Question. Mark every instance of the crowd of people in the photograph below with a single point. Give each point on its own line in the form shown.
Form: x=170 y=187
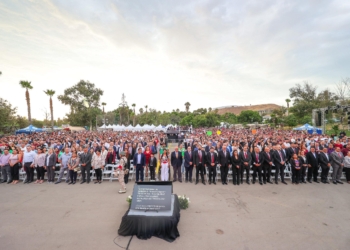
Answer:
x=223 y=154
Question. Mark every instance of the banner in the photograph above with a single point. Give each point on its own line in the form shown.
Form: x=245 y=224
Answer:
x=209 y=132
x=218 y=132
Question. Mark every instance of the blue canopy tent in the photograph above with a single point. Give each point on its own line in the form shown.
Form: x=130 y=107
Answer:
x=309 y=129
x=28 y=130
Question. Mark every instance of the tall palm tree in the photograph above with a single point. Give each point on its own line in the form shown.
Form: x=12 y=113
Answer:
x=146 y=108
x=210 y=109
x=288 y=101
x=103 y=107
x=50 y=93
x=187 y=105
x=133 y=122
x=27 y=85
x=141 y=111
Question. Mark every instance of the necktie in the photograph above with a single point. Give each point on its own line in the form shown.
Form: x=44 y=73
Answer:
x=339 y=155
x=257 y=158
x=280 y=155
x=212 y=158
x=200 y=156
x=245 y=155
x=268 y=155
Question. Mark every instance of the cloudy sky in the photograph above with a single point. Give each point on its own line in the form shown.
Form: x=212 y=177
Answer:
x=165 y=53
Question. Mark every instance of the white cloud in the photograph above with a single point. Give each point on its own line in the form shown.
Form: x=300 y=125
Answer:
x=162 y=54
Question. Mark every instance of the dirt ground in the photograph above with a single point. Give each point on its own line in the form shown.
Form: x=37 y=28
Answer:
x=308 y=216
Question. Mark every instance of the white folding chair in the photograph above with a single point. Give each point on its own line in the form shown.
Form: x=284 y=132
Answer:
x=131 y=172
x=22 y=175
x=218 y=173
x=113 y=176
x=107 y=172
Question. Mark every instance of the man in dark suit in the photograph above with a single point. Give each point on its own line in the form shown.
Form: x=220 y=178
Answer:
x=312 y=159
x=325 y=163
x=293 y=149
x=224 y=159
x=257 y=159
x=212 y=161
x=246 y=160
x=266 y=165
x=199 y=161
x=188 y=164
x=139 y=162
x=176 y=162
x=279 y=160
x=152 y=166
x=85 y=165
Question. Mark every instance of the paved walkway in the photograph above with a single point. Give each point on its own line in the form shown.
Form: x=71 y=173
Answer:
x=308 y=216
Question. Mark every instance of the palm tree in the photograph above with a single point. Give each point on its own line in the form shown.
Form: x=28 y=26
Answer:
x=141 y=111
x=133 y=122
x=209 y=109
x=187 y=104
x=288 y=101
x=146 y=108
x=50 y=93
x=103 y=107
x=27 y=85
x=177 y=110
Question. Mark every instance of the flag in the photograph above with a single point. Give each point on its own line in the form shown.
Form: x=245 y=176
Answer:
x=218 y=132
x=209 y=132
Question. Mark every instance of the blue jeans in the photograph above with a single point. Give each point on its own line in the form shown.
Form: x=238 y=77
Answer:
x=139 y=170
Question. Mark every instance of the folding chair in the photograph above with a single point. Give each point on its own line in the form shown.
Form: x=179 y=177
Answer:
x=229 y=174
x=218 y=173
x=131 y=172
x=107 y=172
x=113 y=176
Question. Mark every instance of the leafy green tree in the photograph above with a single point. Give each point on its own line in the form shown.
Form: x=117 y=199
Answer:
x=84 y=99
x=7 y=116
x=27 y=85
x=249 y=116
x=291 y=120
x=229 y=118
x=187 y=105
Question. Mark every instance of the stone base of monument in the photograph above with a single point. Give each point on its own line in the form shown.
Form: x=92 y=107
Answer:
x=154 y=211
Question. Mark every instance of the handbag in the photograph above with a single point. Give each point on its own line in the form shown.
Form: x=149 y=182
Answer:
x=76 y=169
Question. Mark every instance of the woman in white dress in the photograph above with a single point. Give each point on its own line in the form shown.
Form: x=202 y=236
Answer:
x=164 y=161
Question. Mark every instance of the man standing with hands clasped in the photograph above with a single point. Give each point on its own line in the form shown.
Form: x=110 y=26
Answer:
x=199 y=160
x=85 y=160
x=176 y=162
x=224 y=160
x=337 y=164
x=140 y=163
x=212 y=160
x=188 y=164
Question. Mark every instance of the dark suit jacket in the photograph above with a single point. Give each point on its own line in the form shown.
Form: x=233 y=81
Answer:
x=266 y=159
x=209 y=159
x=176 y=162
x=154 y=162
x=277 y=158
x=188 y=159
x=85 y=159
x=142 y=162
x=322 y=159
x=311 y=159
x=243 y=159
x=222 y=160
x=254 y=158
x=196 y=157
x=52 y=160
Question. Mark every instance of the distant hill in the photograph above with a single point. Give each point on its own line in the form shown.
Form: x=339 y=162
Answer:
x=261 y=108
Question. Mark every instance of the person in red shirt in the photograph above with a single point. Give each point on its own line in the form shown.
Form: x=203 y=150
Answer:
x=147 y=154
x=338 y=144
x=346 y=150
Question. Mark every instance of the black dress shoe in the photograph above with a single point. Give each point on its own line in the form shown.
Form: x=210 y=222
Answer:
x=9 y=182
x=248 y=182
x=95 y=182
x=276 y=182
x=317 y=181
x=70 y=183
x=234 y=184
x=270 y=182
x=304 y=182
x=203 y=182
x=26 y=182
x=186 y=181
x=73 y=182
x=309 y=181
x=339 y=182
x=284 y=182
x=196 y=182
x=174 y=180
x=3 y=181
x=334 y=182
x=264 y=182
x=238 y=183
x=57 y=182
x=88 y=182
x=209 y=183
x=82 y=182
x=214 y=183
x=180 y=181
x=253 y=182
x=260 y=183
x=327 y=182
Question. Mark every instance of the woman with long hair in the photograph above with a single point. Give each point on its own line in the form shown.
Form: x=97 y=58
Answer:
x=98 y=164
x=296 y=167
x=147 y=154
x=303 y=165
x=236 y=165
x=73 y=164
x=39 y=162
x=14 y=164
x=164 y=160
